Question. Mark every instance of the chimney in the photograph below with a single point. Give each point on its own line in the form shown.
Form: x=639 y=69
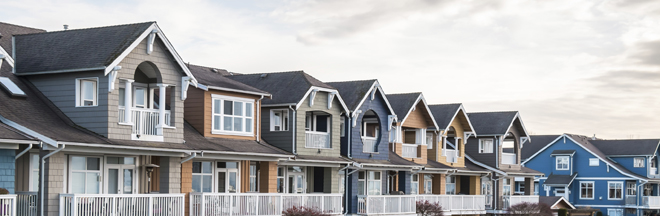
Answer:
x=594 y=137
x=66 y=27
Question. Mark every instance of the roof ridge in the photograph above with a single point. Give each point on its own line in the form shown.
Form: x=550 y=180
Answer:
x=278 y=72
x=446 y=104
x=22 y=26
x=80 y=29
x=349 y=81
x=493 y=112
x=405 y=93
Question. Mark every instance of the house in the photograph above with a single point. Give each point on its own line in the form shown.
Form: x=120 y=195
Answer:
x=497 y=147
x=366 y=141
x=555 y=203
x=618 y=177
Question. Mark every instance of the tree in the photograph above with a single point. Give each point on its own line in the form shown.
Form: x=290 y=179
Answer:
x=527 y=208
x=426 y=208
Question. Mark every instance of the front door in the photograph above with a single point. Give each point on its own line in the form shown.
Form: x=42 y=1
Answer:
x=121 y=175
x=487 y=189
x=227 y=177
x=296 y=182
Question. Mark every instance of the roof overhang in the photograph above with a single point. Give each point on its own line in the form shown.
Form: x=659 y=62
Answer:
x=421 y=98
x=561 y=198
x=375 y=86
x=461 y=108
x=25 y=130
x=312 y=162
x=316 y=88
x=517 y=116
x=6 y=57
x=235 y=90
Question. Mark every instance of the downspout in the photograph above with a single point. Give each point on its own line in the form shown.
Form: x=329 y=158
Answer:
x=640 y=192
x=259 y=118
x=190 y=157
x=23 y=152
x=293 y=134
x=41 y=169
x=350 y=141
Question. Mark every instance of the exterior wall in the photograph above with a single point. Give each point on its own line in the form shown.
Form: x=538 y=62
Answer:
x=379 y=107
x=475 y=185
x=629 y=163
x=404 y=182
x=170 y=74
x=458 y=127
x=268 y=176
x=280 y=139
x=186 y=182
x=170 y=176
x=418 y=118
x=54 y=185
x=489 y=159
x=61 y=90
x=7 y=169
x=320 y=104
x=22 y=177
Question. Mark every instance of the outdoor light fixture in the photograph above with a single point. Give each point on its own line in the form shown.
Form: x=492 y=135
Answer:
x=149 y=168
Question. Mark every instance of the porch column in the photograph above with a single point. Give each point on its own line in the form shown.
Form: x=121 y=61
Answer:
x=475 y=185
x=268 y=176
x=161 y=108
x=128 y=101
x=529 y=186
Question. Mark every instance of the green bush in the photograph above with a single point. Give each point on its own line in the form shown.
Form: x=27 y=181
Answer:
x=3 y=191
x=599 y=213
x=562 y=212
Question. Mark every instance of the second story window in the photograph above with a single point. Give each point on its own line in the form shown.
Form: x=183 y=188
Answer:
x=594 y=162
x=86 y=92
x=631 y=189
x=615 y=190
x=562 y=163
x=232 y=115
x=486 y=146
x=639 y=162
x=429 y=140
x=279 y=120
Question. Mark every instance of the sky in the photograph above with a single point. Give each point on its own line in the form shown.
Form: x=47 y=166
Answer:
x=569 y=66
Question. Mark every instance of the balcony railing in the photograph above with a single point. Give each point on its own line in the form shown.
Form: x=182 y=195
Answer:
x=369 y=144
x=457 y=203
x=651 y=201
x=122 y=204
x=451 y=155
x=386 y=204
x=26 y=203
x=508 y=158
x=8 y=205
x=653 y=173
x=631 y=200
x=409 y=150
x=144 y=120
x=316 y=139
x=509 y=201
x=202 y=204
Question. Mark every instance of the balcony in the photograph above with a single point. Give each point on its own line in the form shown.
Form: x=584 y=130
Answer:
x=653 y=173
x=260 y=203
x=631 y=200
x=145 y=121
x=652 y=202
x=463 y=204
x=316 y=139
x=452 y=156
x=8 y=205
x=409 y=150
x=122 y=204
x=509 y=201
x=369 y=144
x=26 y=203
x=508 y=158
x=386 y=205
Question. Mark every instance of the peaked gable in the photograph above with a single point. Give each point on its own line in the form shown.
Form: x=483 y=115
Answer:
x=404 y=104
x=356 y=92
x=287 y=88
x=7 y=32
x=446 y=113
x=215 y=79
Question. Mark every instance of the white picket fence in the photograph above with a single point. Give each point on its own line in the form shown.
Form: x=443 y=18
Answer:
x=122 y=204
x=260 y=204
x=387 y=204
x=26 y=203
x=8 y=205
x=456 y=202
x=409 y=150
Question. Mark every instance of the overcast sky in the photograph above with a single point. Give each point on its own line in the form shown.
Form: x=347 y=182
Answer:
x=569 y=66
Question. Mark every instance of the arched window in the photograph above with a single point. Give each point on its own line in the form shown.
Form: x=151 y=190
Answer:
x=370 y=131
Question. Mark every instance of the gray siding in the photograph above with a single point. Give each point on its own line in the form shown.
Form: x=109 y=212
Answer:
x=280 y=139
x=320 y=104
x=472 y=148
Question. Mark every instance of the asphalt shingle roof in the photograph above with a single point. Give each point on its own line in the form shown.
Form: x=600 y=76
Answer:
x=7 y=132
x=627 y=147
x=74 y=49
x=560 y=179
x=444 y=113
x=207 y=76
x=353 y=91
x=8 y=30
x=492 y=123
x=401 y=103
x=562 y=152
x=394 y=160
x=285 y=87
x=537 y=142
x=585 y=142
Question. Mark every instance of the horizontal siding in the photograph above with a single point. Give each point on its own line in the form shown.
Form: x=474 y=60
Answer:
x=320 y=104
x=280 y=139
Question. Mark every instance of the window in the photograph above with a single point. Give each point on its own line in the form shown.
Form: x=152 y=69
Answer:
x=486 y=146
x=414 y=184
x=562 y=163
x=648 y=190
x=34 y=166
x=202 y=177
x=506 y=187
x=85 y=175
x=232 y=115
x=86 y=92
x=587 y=190
x=521 y=187
x=615 y=212
x=374 y=185
x=342 y=128
x=253 y=177
x=450 y=185
x=639 y=162
x=536 y=188
x=428 y=184
x=615 y=190
x=279 y=120
x=10 y=86
x=594 y=162
x=429 y=141
x=122 y=96
x=361 y=182
x=631 y=189
x=280 y=179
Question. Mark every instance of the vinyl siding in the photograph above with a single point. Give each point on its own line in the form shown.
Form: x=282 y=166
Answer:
x=379 y=107
x=280 y=139
x=320 y=104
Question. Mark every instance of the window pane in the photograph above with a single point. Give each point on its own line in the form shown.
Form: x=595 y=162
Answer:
x=253 y=184
x=216 y=122
x=129 y=160
x=238 y=124
x=207 y=182
x=216 y=106
x=77 y=163
x=248 y=125
x=280 y=185
x=113 y=181
x=88 y=90
x=238 y=108
x=206 y=167
x=248 y=109
x=128 y=181
x=232 y=165
x=228 y=109
x=93 y=164
x=197 y=167
x=139 y=97
x=228 y=123
x=232 y=182
x=197 y=183
x=280 y=172
x=361 y=187
x=78 y=182
x=122 y=97
x=34 y=160
x=92 y=183
x=112 y=160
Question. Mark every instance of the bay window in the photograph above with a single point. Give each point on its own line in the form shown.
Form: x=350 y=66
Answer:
x=232 y=115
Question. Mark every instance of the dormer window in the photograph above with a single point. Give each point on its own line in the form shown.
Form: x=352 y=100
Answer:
x=86 y=92
x=232 y=115
x=486 y=146
x=562 y=162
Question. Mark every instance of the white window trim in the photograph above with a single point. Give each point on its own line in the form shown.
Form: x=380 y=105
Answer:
x=414 y=190
x=634 y=188
x=256 y=177
x=31 y=176
x=635 y=164
x=593 y=190
x=615 y=210
x=212 y=174
x=427 y=183
x=79 y=93
x=622 y=190
x=594 y=160
x=272 y=116
x=482 y=150
x=101 y=172
x=557 y=159
x=453 y=184
x=379 y=182
x=222 y=98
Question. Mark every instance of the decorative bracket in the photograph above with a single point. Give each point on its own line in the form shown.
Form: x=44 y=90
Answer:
x=111 y=79
x=355 y=117
x=373 y=92
x=522 y=141
x=331 y=96
x=150 y=41
x=390 y=120
x=312 y=95
x=185 y=82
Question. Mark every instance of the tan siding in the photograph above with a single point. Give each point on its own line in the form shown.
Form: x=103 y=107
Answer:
x=195 y=108
x=417 y=118
x=458 y=127
x=186 y=182
x=268 y=177
x=208 y=113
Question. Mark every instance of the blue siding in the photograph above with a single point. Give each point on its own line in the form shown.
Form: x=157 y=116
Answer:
x=379 y=107
x=629 y=163
x=7 y=169
x=404 y=181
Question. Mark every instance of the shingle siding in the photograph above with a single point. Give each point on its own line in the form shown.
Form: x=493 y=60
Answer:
x=7 y=169
x=379 y=107
x=320 y=104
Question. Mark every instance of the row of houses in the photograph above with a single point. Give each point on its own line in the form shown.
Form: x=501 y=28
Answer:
x=112 y=121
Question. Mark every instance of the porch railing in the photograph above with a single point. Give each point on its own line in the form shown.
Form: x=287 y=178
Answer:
x=386 y=204
x=509 y=201
x=631 y=200
x=122 y=204
x=8 y=205
x=26 y=203
x=144 y=120
x=369 y=144
x=316 y=139
x=653 y=173
x=409 y=150
x=508 y=158
x=451 y=155
x=207 y=204
x=457 y=202
x=651 y=201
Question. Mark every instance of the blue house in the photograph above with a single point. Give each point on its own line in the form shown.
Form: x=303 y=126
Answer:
x=365 y=139
x=619 y=177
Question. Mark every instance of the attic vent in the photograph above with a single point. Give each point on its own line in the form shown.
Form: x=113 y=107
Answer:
x=11 y=87
x=215 y=70
x=231 y=73
x=264 y=75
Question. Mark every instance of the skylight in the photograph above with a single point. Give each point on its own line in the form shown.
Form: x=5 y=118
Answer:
x=11 y=87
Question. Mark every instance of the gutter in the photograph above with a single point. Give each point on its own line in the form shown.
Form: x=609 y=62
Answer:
x=23 y=152
x=293 y=134
x=63 y=71
x=184 y=151
x=238 y=91
x=190 y=157
x=27 y=131
x=350 y=131
x=41 y=170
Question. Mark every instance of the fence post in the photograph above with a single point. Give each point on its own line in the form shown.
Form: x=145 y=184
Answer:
x=202 y=204
x=151 y=206
x=231 y=204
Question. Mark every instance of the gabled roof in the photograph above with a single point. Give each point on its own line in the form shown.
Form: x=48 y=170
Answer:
x=356 y=92
x=9 y=30
x=446 y=113
x=631 y=147
x=560 y=180
x=214 y=78
x=496 y=123
x=540 y=141
x=394 y=162
x=9 y=133
x=554 y=200
x=197 y=141
x=404 y=103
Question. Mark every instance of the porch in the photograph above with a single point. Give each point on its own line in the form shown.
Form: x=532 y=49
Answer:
x=509 y=201
x=8 y=205
x=261 y=203
x=651 y=202
x=387 y=204
x=122 y=204
x=458 y=204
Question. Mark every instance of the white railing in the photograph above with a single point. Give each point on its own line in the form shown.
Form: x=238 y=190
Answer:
x=509 y=201
x=144 y=120
x=8 y=205
x=122 y=204
x=315 y=139
x=651 y=201
x=508 y=158
x=409 y=150
x=386 y=204
x=207 y=204
x=457 y=202
x=369 y=144
x=451 y=155
x=653 y=173
x=26 y=203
